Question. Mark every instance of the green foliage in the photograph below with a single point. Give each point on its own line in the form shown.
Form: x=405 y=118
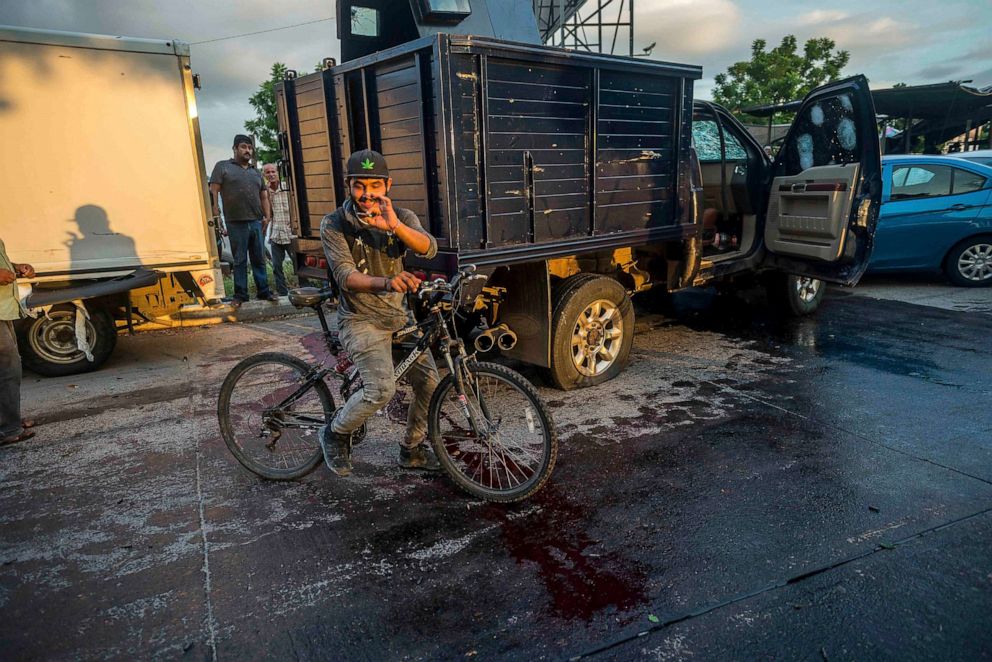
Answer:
x=779 y=75
x=264 y=125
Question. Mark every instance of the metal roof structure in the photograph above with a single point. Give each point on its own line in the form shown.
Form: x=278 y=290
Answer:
x=938 y=112
x=596 y=26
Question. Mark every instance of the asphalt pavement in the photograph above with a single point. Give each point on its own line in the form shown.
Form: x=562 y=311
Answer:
x=749 y=487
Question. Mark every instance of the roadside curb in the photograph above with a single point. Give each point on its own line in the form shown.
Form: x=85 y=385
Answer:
x=250 y=311
x=255 y=310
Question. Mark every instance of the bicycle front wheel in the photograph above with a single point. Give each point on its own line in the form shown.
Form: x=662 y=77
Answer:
x=507 y=451
x=270 y=411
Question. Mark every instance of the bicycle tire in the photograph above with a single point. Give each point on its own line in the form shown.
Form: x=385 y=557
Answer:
x=453 y=456
x=308 y=455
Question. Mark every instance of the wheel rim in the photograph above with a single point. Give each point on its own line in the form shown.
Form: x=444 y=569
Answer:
x=596 y=338
x=53 y=338
x=511 y=453
x=975 y=263
x=807 y=288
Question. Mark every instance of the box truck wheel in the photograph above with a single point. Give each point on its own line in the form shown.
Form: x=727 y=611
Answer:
x=48 y=343
x=795 y=295
x=592 y=329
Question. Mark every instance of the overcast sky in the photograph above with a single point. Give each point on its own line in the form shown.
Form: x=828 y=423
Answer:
x=911 y=41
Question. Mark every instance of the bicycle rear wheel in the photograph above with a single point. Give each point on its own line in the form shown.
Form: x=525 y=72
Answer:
x=270 y=410
x=511 y=452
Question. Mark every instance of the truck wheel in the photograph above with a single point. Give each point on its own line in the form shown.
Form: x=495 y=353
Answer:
x=592 y=330
x=48 y=344
x=795 y=295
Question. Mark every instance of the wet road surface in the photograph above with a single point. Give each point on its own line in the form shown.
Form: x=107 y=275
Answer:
x=750 y=487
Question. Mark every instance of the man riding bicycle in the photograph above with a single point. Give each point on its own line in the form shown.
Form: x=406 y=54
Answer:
x=364 y=242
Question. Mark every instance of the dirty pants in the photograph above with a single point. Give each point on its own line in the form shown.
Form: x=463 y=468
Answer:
x=10 y=382
x=370 y=348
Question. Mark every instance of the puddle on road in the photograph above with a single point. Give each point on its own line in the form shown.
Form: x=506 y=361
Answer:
x=581 y=578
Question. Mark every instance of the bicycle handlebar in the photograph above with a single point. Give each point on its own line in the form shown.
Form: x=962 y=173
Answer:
x=442 y=286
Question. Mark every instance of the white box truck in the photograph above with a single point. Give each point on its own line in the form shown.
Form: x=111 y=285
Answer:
x=106 y=194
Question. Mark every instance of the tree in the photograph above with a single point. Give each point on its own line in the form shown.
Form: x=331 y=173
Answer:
x=265 y=126
x=779 y=75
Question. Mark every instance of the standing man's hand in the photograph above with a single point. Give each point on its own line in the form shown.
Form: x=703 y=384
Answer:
x=7 y=276
x=24 y=270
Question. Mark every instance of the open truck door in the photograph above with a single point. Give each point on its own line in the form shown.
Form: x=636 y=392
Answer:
x=826 y=186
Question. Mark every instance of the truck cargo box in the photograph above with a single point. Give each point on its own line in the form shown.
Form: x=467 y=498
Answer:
x=508 y=152
x=105 y=134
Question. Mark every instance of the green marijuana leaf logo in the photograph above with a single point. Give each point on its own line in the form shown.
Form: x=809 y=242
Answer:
x=368 y=164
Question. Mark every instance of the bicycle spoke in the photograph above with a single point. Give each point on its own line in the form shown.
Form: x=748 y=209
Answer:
x=274 y=412
x=508 y=451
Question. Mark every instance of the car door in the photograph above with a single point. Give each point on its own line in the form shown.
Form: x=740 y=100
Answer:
x=826 y=186
x=927 y=207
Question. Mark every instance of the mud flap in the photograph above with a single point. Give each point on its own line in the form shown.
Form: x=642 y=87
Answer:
x=526 y=309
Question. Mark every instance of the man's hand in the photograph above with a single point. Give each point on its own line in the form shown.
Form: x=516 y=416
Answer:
x=386 y=218
x=24 y=270
x=7 y=276
x=404 y=282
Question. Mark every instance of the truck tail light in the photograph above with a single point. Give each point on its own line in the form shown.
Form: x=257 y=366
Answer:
x=315 y=262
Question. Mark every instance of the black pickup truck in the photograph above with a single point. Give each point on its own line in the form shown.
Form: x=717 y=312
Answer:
x=572 y=181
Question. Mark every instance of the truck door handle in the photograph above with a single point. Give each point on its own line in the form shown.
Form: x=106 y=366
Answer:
x=960 y=207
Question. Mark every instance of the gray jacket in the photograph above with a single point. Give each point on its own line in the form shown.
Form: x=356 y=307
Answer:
x=351 y=245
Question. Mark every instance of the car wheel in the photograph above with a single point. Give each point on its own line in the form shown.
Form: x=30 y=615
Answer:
x=796 y=296
x=592 y=331
x=48 y=342
x=969 y=264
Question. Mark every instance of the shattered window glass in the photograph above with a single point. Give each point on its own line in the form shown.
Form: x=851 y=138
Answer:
x=364 y=21
x=706 y=138
x=826 y=133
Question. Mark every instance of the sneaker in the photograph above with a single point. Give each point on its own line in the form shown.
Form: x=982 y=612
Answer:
x=271 y=297
x=236 y=303
x=337 y=450
x=418 y=458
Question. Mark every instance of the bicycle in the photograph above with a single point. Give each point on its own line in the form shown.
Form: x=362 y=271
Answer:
x=492 y=434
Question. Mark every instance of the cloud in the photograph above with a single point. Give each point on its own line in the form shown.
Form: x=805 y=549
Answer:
x=938 y=72
x=231 y=70
x=819 y=16
x=689 y=27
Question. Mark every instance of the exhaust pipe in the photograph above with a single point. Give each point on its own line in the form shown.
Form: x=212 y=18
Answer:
x=506 y=340
x=500 y=336
x=484 y=341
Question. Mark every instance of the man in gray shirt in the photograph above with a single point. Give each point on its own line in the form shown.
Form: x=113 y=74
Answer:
x=247 y=213
x=364 y=242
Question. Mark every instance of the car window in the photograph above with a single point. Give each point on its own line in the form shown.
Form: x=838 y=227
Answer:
x=920 y=181
x=966 y=181
x=825 y=133
x=706 y=137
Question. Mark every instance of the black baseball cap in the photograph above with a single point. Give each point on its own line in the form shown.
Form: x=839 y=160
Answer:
x=242 y=138
x=367 y=164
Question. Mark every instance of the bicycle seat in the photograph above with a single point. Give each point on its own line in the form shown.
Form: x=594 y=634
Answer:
x=309 y=297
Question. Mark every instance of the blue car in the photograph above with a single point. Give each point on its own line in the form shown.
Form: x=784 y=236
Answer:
x=936 y=216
